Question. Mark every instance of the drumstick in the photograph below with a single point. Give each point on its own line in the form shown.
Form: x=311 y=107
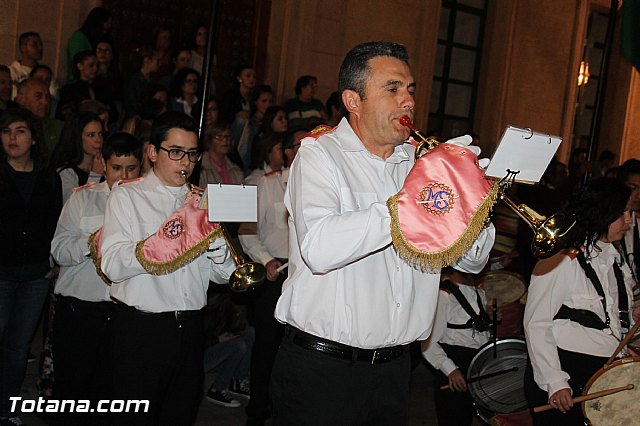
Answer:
x=623 y=343
x=587 y=397
x=495 y=327
x=282 y=267
x=484 y=376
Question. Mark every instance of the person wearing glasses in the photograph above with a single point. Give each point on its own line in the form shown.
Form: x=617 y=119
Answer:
x=160 y=267
x=184 y=91
x=216 y=165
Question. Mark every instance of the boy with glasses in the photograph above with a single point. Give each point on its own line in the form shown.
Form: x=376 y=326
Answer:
x=160 y=252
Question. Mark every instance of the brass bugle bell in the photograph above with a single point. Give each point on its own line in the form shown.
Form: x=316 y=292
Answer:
x=247 y=275
x=550 y=234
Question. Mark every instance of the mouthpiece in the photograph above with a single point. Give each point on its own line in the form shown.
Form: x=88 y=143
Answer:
x=406 y=121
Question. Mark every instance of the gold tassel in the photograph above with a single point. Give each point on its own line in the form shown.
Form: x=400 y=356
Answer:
x=164 y=268
x=437 y=260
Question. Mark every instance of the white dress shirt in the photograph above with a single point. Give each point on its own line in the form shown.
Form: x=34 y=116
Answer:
x=272 y=240
x=346 y=282
x=561 y=280
x=450 y=311
x=136 y=210
x=70 y=182
x=81 y=216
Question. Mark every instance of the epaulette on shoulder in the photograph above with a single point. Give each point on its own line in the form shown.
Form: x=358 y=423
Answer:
x=85 y=186
x=125 y=181
x=319 y=131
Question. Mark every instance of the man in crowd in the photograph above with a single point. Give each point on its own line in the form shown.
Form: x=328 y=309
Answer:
x=351 y=305
x=34 y=96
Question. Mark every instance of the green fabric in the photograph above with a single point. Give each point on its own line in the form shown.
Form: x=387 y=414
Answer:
x=77 y=43
x=631 y=32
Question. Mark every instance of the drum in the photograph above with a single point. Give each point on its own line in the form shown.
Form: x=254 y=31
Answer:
x=507 y=288
x=619 y=408
x=501 y=391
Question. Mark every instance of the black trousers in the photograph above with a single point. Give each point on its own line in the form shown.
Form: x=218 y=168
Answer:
x=311 y=388
x=454 y=408
x=269 y=334
x=83 y=337
x=580 y=368
x=158 y=357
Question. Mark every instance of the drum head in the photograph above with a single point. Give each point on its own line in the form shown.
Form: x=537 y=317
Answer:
x=619 y=408
x=504 y=286
x=501 y=393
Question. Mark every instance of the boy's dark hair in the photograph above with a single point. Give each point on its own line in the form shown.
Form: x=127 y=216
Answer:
x=122 y=144
x=303 y=82
x=167 y=121
x=39 y=67
x=629 y=168
x=22 y=40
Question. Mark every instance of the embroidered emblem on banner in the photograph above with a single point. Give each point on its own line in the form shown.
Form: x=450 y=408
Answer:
x=436 y=198
x=173 y=229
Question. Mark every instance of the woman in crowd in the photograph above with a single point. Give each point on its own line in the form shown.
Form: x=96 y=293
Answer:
x=237 y=101
x=211 y=113
x=96 y=26
x=108 y=79
x=31 y=200
x=216 y=166
x=199 y=47
x=145 y=61
x=184 y=91
x=162 y=51
x=578 y=303
x=268 y=156
x=77 y=157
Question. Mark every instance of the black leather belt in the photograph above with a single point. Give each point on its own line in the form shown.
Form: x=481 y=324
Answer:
x=178 y=315
x=339 y=350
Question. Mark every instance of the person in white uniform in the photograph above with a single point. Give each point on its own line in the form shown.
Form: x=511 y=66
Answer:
x=460 y=328
x=351 y=305
x=82 y=330
x=578 y=304
x=158 y=322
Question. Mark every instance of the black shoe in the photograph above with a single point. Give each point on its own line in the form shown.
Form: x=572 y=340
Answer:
x=222 y=398
x=240 y=388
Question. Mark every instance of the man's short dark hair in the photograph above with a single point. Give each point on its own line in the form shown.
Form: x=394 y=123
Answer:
x=628 y=168
x=355 y=69
x=122 y=144
x=24 y=37
x=39 y=67
x=167 y=121
x=303 y=82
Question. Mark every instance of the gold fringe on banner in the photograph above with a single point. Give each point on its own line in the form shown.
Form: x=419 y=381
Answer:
x=97 y=261
x=439 y=259
x=164 y=268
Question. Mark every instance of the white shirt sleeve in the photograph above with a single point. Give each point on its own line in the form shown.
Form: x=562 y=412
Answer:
x=70 y=243
x=119 y=261
x=251 y=243
x=546 y=295
x=434 y=354
x=321 y=218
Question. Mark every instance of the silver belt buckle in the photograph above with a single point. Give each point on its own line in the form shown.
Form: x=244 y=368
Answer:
x=375 y=356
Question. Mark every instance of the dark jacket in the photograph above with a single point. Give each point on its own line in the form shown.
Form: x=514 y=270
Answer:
x=27 y=227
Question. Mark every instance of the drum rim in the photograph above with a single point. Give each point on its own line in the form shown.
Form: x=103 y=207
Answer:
x=600 y=372
x=481 y=350
x=481 y=281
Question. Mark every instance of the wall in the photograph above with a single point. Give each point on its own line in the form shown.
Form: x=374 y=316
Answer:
x=55 y=20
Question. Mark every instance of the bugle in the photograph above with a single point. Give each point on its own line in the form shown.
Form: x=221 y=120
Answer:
x=247 y=275
x=550 y=234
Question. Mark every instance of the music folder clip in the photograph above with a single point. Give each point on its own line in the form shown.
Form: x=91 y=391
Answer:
x=231 y=203
x=522 y=155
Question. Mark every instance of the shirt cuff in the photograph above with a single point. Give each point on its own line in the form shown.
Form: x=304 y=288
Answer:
x=447 y=367
x=555 y=387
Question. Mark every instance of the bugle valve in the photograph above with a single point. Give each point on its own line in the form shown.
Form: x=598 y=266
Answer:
x=550 y=234
x=247 y=275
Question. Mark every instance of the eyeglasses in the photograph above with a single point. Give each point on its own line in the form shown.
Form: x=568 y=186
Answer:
x=191 y=81
x=101 y=50
x=223 y=137
x=176 y=154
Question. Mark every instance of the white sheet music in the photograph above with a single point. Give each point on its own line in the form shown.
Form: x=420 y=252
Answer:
x=232 y=203
x=523 y=151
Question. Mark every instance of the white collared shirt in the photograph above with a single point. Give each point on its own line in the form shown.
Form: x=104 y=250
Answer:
x=82 y=215
x=346 y=282
x=566 y=283
x=272 y=240
x=136 y=210
x=450 y=311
